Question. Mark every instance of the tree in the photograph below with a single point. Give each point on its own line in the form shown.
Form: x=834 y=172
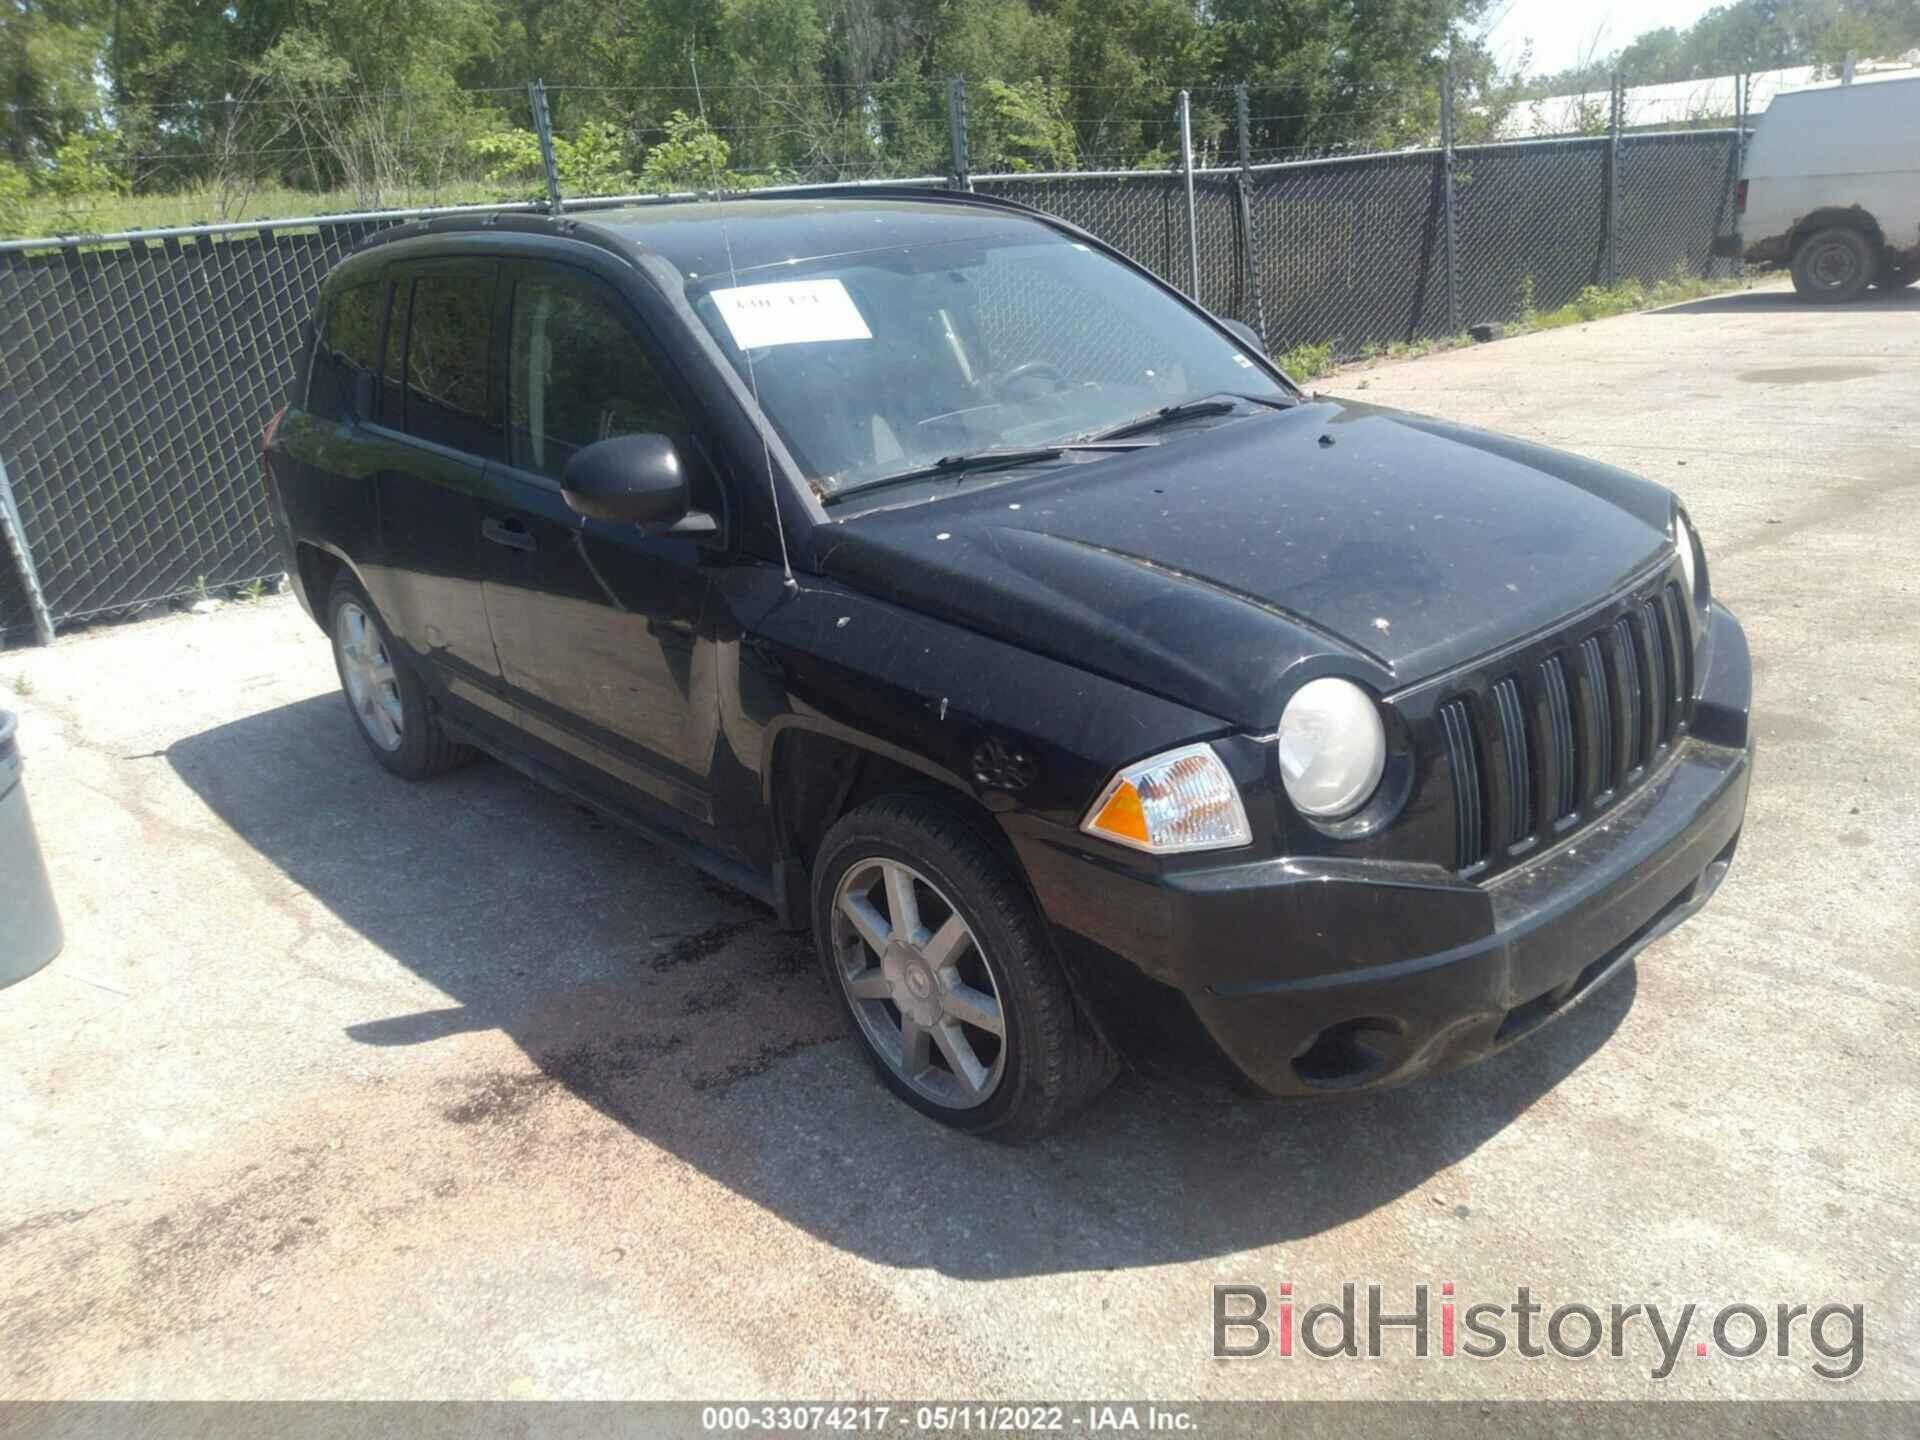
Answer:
x=1751 y=35
x=48 y=49
x=375 y=102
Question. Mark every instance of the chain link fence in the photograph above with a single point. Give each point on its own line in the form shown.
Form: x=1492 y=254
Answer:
x=136 y=373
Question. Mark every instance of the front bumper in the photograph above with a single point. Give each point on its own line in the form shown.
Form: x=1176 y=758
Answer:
x=1320 y=975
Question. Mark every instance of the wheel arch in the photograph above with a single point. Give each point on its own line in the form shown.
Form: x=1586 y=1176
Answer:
x=1836 y=217
x=816 y=770
x=316 y=568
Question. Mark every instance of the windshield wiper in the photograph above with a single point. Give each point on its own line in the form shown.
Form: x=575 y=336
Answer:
x=1222 y=404
x=994 y=457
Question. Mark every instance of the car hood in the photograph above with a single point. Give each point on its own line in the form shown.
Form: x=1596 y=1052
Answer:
x=1210 y=567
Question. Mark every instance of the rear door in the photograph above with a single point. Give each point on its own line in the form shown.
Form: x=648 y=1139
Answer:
x=438 y=412
x=324 y=460
x=598 y=625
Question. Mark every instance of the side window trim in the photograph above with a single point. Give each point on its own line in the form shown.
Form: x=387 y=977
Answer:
x=313 y=353
x=388 y=385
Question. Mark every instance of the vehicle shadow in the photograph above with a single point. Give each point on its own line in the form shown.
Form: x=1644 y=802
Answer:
x=673 y=1006
x=1767 y=302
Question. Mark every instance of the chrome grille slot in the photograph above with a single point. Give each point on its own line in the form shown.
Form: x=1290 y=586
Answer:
x=1655 y=669
x=1463 y=754
x=1513 y=746
x=1628 y=755
x=1679 y=657
x=1559 y=746
x=1596 y=714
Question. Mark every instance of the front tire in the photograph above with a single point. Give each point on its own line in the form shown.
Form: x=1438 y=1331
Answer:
x=930 y=940
x=385 y=697
x=1833 y=266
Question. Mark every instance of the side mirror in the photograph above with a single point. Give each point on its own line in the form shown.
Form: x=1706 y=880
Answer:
x=635 y=478
x=1246 y=335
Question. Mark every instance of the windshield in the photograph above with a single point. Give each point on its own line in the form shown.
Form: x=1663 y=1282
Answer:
x=882 y=363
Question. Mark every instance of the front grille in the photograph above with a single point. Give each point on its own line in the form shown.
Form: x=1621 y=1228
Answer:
x=1546 y=740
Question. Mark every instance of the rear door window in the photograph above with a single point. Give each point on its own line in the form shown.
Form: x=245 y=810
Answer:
x=578 y=373
x=449 y=399
x=347 y=358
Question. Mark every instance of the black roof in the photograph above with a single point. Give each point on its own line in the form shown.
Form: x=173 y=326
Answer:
x=769 y=229
x=694 y=235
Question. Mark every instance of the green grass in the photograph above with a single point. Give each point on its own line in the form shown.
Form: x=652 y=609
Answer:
x=1305 y=362
x=108 y=214
x=1599 y=302
x=1596 y=302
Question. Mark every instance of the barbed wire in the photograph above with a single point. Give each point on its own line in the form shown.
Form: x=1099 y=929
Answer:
x=248 y=156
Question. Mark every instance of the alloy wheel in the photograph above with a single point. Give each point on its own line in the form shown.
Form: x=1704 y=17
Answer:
x=367 y=671
x=918 y=983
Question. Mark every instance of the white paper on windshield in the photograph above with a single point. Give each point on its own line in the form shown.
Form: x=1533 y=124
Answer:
x=792 y=313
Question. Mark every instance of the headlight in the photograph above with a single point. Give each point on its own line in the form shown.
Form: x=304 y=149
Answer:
x=1332 y=747
x=1182 y=800
x=1683 y=539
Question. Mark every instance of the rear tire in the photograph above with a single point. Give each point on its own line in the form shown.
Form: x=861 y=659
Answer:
x=965 y=1012
x=1833 y=266
x=384 y=696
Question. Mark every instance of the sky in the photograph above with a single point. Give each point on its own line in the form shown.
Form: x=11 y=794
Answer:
x=1567 y=32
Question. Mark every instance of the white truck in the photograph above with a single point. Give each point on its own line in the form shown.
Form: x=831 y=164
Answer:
x=1831 y=188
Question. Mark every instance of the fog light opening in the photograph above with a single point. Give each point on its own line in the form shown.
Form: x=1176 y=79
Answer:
x=1349 y=1053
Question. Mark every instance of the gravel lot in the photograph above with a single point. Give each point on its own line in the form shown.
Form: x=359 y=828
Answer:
x=347 y=1087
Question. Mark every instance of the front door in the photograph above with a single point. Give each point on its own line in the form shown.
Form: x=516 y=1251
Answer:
x=597 y=625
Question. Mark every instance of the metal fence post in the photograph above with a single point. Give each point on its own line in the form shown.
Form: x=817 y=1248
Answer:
x=1450 y=277
x=1193 y=219
x=543 y=128
x=1617 y=104
x=15 y=536
x=1252 y=308
x=960 y=178
x=1744 y=97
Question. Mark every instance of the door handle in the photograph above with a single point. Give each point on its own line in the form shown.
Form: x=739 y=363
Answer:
x=510 y=533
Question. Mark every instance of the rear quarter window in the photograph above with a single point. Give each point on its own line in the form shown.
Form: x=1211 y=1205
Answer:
x=347 y=349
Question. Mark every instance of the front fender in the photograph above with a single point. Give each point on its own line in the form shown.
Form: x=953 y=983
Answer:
x=1018 y=732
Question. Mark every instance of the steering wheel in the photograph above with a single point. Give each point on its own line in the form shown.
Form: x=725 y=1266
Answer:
x=1030 y=370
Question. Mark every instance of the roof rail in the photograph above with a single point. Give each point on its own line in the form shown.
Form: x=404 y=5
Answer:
x=514 y=222
x=869 y=190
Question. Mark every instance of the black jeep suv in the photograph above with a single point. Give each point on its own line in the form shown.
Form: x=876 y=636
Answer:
x=929 y=570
